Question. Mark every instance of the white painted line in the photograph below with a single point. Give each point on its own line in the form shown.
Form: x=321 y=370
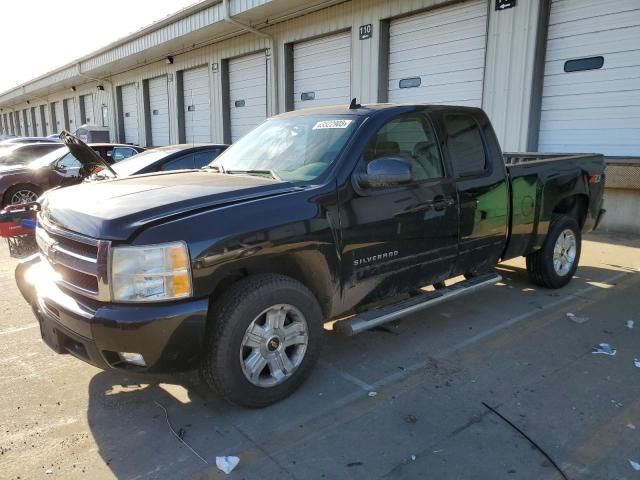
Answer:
x=487 y=333
x=347 y=376
x=19 y=329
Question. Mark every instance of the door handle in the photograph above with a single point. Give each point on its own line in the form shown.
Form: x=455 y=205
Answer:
x=440 y=203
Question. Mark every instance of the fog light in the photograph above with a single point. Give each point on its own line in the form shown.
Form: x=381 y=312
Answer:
x=133 y=358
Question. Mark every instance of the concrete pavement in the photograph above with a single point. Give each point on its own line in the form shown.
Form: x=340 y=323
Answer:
x=511 y=346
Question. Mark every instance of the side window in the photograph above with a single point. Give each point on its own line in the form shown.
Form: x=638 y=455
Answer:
x=181 y=163
x=205 y=158
x=465 y=145
x=120 y=153
x=411 y=137
x=68 y=161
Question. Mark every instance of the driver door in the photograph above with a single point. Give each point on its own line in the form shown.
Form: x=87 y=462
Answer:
x=400 y=237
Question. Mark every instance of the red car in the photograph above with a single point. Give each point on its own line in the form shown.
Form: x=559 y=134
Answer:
x=24 y=183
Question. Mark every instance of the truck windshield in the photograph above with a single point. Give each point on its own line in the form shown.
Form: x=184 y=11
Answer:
x=297 y=149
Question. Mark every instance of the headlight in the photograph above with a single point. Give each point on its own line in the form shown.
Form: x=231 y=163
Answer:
x=151 y=273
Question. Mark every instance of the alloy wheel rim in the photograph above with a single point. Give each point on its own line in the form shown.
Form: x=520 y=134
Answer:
x=564 y=252
x=23 y=196
x=274 y=345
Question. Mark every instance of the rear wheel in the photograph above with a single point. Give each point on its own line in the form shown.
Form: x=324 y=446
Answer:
x=556 y=262
x=21 y=194
x=263 y=340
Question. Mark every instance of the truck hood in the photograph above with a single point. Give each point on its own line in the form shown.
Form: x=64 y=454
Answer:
x=116 y=209
x=89 y=159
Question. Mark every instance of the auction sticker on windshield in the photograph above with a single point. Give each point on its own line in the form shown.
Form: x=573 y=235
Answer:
x=332 y=124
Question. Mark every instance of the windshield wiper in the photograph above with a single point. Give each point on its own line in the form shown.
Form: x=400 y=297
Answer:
x=217 y=168
x=271 y=173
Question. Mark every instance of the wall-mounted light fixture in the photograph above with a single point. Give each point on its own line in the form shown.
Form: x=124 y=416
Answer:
x=28 y=102
x=73 y=89
x=169 y=60
x=100 y=87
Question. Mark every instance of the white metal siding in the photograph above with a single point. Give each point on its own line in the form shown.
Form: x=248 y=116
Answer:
x=247 y=93
x=322 y=69
x=592 y=110
x=159 y=111
x=445 y=48
x=197 y=105
x=87 y=101
x=130 y=113
x=34 y=115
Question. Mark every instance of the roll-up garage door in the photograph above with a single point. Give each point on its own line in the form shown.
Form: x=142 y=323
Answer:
x=129 y=113
x=159 y=111
x=438 y=56
x=247 y=93
x=322 y=71
x=45 y=120
x=57 y=110
x=197 y=105
x=26 y=127
x=87 y=109
x=35 y=121
x=70 y=111
x=591 y=90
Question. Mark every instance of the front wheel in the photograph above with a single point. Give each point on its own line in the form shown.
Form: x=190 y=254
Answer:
x=556 y=262
x=263 y=340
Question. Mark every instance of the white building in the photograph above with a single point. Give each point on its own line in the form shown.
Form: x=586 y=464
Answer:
x=553 y=75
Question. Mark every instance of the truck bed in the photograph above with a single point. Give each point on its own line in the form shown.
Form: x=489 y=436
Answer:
x=537 y=181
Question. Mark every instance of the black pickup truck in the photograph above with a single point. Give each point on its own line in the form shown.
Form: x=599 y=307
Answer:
x=340 y=213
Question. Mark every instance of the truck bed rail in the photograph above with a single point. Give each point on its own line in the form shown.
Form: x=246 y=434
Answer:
x=514 y=158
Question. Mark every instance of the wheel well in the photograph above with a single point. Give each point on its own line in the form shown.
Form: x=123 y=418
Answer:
x=574 y=206
x=303 y=267
x=17 y=186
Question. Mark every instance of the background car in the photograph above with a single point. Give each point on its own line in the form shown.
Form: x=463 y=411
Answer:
x=30 y=140
x=21 y=153
x=171 y=157
x=22 y=183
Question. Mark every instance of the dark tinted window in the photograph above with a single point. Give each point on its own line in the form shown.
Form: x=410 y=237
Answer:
x=465 y=145
x=120 y=153
x=68 y=161
x=409 y=136
x=179 y=163
x=205 y=157
x=580 y=64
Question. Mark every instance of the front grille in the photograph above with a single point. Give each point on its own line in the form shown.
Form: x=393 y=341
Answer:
x=80 y=262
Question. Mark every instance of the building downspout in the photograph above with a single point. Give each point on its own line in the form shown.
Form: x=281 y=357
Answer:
x=226 y=4
x=113 y=98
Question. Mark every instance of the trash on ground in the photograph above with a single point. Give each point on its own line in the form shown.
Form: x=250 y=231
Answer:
x=636 y=362
x=631 y=426
x=603 y=349
x=354 y=464
x=617 y=404
x=227 y=463
x=50 y=472
x=576 y=319
x=629 y=323
x=413 y=458
x=372 y=394
x=411 y=419
x=439 y=451
x=634 y=465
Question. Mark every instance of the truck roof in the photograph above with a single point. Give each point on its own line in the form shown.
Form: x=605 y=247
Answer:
x=370 y=108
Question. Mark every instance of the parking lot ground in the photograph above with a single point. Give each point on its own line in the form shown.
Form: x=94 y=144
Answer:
x=511 y=346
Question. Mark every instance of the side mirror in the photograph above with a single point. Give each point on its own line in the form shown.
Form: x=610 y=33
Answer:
x=385 y=172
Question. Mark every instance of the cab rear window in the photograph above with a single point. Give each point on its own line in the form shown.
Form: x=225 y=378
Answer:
x=465 y=145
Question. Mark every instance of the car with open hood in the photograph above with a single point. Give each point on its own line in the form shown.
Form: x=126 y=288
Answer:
x=58 y=165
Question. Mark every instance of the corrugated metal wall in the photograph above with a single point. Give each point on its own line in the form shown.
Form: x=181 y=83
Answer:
x=507 y=83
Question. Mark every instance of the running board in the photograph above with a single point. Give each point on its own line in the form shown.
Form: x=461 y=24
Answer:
x=373 y=318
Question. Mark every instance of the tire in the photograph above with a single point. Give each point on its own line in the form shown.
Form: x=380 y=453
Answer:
x=27 y=192
x=543 y=265
x=231 y=351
